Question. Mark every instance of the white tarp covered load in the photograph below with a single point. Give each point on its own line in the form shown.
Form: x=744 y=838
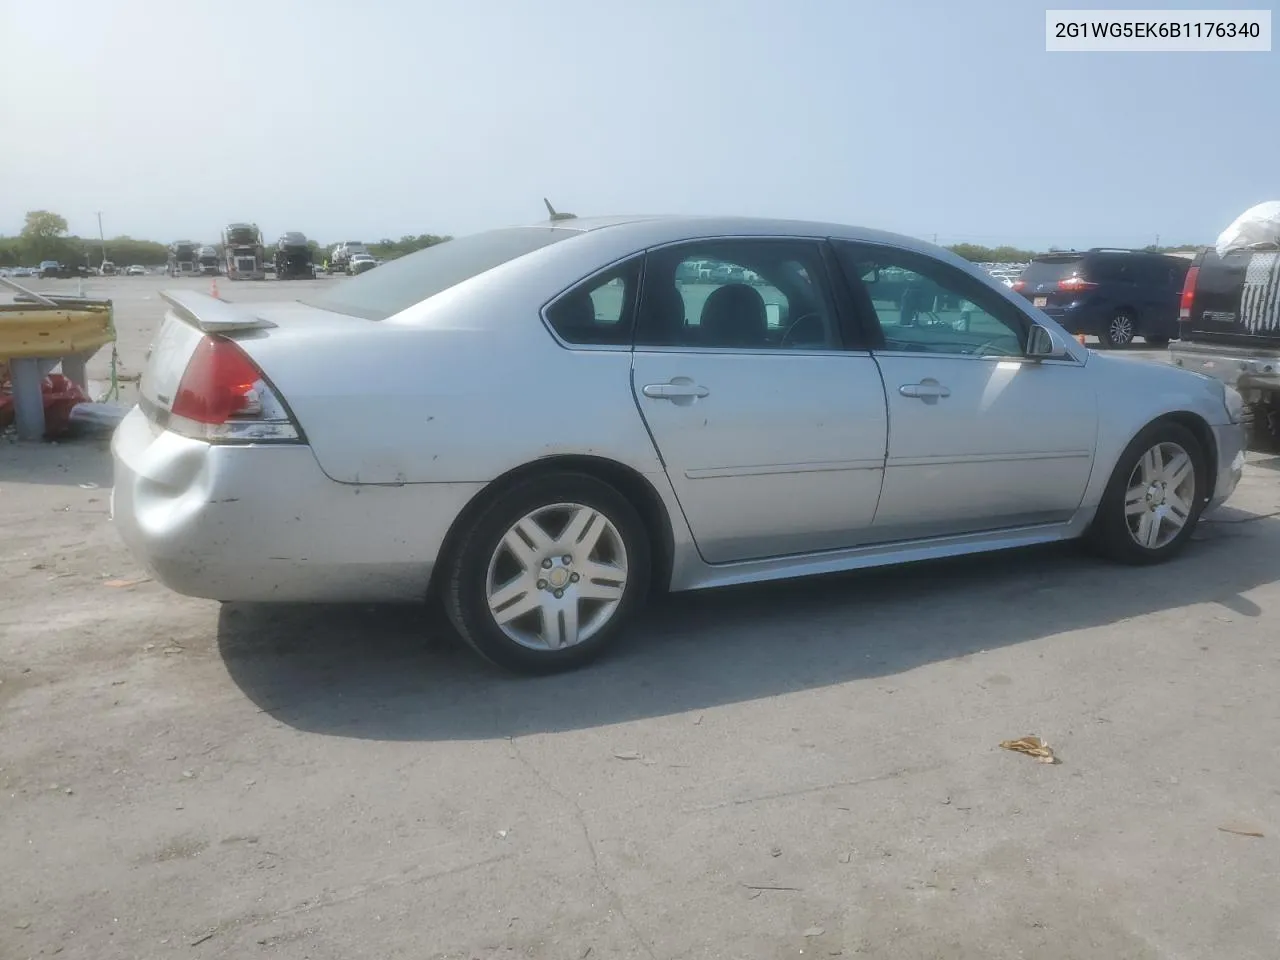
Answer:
x=1258 y=224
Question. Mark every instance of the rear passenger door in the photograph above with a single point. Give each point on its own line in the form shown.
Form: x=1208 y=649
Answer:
x=770 y=422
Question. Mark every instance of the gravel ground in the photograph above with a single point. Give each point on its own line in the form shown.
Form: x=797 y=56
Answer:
x=805 y=769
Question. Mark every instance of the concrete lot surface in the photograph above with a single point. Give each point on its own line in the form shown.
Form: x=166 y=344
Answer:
x=799 y=770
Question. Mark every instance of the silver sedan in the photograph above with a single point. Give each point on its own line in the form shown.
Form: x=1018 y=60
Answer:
x=541 y=425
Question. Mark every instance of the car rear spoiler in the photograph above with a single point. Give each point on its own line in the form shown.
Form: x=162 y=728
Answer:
x=211 y=315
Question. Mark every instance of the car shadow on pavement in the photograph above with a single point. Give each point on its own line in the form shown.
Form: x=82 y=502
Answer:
x=395 y=673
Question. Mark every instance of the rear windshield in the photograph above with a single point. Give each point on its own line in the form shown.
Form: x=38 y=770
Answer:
x=1050 y=269
x=399 y=284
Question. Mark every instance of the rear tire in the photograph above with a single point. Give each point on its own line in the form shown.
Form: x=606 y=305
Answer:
x=547 y=575
x=1154 y=498
x=1119 y=331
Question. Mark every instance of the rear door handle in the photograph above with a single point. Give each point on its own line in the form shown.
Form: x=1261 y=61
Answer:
x=675 y=391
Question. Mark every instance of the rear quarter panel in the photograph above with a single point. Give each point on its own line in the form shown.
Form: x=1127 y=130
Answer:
x=469 y=387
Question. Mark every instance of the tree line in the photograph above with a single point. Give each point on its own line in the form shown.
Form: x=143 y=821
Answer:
x=44 y=236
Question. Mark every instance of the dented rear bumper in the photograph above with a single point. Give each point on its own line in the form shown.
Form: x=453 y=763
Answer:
x=264 y=523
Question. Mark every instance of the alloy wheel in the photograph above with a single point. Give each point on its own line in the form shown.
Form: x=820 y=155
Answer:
x=557 y=576
x=1121 y=330
x=1160 y=495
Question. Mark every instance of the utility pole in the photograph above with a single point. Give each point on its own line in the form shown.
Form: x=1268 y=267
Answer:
x=102 y=237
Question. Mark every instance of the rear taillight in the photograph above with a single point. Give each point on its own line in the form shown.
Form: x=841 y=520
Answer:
x=224 y=396
x=1075 y=285
x=1188 y=293
x=1019 y=285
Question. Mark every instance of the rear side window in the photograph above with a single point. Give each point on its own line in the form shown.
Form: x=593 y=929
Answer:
x=1050 y=270
x=600 y=310
x=1160 y=272
x=1111 y=270
x=401 y=283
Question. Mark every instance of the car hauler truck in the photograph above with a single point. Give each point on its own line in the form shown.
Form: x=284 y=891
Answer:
x=340 y=257
x=207 y=261
x=182 y=258
x=293 y=257
x=242 y=247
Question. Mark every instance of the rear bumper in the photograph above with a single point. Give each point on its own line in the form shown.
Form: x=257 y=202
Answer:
x=1076 y=319
x=1238 y=367
x=264 y=523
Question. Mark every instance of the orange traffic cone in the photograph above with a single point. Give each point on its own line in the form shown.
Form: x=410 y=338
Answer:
x=213 y=288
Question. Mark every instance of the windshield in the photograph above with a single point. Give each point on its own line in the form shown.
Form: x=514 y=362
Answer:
x=411 y=279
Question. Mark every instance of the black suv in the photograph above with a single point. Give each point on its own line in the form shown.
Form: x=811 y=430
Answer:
x=1115 y=295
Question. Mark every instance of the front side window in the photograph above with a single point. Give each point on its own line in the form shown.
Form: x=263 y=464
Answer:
x=922 y=305
x=738 y=295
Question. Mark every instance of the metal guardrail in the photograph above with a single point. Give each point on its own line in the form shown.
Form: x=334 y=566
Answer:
x=39 y=332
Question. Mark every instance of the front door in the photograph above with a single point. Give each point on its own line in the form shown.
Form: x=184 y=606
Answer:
x=772 y=430
x=980 y=439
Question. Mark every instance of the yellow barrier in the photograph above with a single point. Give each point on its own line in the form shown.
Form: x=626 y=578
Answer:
x=28 y=331
x=35 y=338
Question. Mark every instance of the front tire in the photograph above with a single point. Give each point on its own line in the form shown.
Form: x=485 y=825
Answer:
x=1155 y=497
x=548 y=574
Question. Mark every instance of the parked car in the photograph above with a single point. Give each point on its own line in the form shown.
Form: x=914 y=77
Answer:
x=1115 y=295
x=49 y=268
x=136 y=270
x=555 y=443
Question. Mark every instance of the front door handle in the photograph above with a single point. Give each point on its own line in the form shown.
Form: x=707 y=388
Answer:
x=675 y=391
x=927 y=390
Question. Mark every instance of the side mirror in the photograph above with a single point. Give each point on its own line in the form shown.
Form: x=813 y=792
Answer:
x=872 y=275
x=1040 y=343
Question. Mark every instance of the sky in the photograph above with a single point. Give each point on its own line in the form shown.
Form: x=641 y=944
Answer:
x=943 y=119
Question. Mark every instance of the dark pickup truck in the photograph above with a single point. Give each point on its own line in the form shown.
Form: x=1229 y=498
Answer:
x=1229 y=329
